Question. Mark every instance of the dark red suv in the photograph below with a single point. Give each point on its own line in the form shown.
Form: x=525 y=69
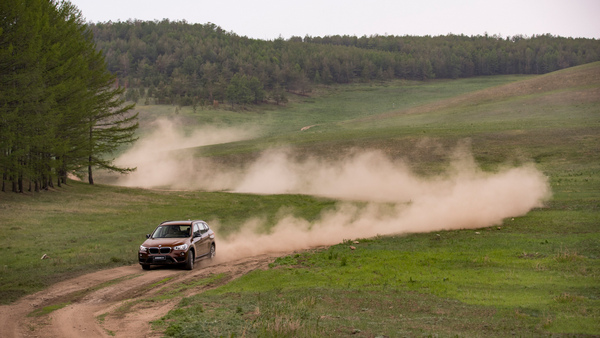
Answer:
x=178 y=242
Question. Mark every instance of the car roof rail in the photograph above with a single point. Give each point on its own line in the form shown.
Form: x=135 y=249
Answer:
x=191 y=221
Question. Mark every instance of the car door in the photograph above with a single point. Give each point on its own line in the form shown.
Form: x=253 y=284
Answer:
x=205 y=240
x=197 y=240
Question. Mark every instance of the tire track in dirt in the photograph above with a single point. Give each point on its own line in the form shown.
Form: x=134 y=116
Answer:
x=116 y=302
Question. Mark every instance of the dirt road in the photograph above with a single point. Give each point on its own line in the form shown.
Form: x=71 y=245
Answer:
x=114 y=302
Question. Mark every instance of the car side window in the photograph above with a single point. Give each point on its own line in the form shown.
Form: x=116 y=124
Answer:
x=196 y=229
x=204 y=227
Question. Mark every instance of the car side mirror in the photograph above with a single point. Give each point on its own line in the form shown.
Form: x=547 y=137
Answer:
x=147 y=235
x=197 y=234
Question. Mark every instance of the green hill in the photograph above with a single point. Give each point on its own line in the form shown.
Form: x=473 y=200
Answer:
x=553 y=115
x=499 y=282
x=534 y=274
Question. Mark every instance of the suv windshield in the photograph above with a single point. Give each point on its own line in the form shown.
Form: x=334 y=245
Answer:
x=172 y=231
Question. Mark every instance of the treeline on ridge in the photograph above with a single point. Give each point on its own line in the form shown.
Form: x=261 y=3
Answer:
x=174 y=62
x=60 y=111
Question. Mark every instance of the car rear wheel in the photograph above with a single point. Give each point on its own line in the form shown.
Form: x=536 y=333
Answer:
x=189 y=261
x=213 y=251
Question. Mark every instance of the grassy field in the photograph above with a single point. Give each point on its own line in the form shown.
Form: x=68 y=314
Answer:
x=532 y=275
x=77 y=227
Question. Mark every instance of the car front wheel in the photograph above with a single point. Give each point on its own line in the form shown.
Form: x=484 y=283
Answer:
x=189 y=262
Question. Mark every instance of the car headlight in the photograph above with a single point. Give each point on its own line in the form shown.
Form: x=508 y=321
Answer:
x=181 y=247
x=143 y=248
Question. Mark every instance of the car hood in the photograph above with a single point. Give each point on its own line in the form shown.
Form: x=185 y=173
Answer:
x=155 y=242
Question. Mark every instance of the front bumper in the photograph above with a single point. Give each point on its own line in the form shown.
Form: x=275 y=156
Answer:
x=175 y=257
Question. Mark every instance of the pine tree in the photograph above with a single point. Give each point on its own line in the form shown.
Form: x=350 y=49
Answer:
x=21 y=89
x=110 y=123
x=59 y=108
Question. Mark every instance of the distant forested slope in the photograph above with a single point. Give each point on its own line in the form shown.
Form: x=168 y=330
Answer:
x=194 y=64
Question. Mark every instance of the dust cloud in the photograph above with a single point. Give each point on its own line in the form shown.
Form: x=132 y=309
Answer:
x=378 y=195
x=394 y=199
x=165 y=157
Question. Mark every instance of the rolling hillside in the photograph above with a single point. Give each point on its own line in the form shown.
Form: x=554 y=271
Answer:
x=528 y=272
x=559 y=109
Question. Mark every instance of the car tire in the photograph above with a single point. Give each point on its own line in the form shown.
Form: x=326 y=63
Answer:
x=213 y=251
x=189 y=261
x=145 y=266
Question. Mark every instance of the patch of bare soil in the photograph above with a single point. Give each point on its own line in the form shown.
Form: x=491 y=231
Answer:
x=116 y=302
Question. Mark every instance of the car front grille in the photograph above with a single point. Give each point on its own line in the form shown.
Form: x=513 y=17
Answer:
x=163 y=250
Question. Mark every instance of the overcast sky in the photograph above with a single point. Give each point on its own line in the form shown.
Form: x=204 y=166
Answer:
x=269 y=19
